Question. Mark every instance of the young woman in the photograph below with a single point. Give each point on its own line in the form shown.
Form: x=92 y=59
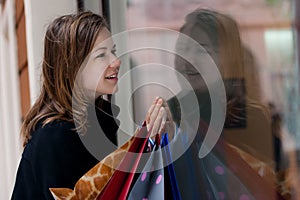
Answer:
x=78 y=68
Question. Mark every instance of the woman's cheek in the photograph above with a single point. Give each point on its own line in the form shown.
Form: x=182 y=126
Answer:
x=92 y=74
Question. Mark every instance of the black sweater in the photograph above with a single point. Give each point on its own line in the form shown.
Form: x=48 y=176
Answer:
x=56 y=157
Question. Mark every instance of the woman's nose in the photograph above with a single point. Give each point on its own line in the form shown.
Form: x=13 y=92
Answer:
x=116 y=63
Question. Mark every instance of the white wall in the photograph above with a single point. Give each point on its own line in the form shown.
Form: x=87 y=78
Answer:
x=93 y=6
x=39 y=13
x=10 y=146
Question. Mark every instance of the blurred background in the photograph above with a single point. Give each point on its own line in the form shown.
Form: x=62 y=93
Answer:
x=269 y=30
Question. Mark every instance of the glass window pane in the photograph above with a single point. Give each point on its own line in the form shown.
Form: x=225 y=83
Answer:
x=253 y=46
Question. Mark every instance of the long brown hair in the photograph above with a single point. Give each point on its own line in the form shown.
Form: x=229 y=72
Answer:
x=68 y=41
x=222 y=31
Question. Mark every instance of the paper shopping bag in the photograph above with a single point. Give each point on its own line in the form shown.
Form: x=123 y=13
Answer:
x=157 y=180
x=120 y=182
x=91 y=184
x=171 y=186
x=150 y=183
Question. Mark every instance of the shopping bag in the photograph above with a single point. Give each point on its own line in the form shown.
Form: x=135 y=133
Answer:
x=157 y=180
x=187 y=171
x=171 y=186
x=120 y=182
x=150 y=183
x=222 y=174
x=91 y=184
x=242 y=174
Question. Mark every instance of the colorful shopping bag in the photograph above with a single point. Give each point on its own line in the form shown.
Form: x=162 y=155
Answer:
x=157 y=181
x=171 y=186
x=150 y=184
x=222 y=174
x=119 y=184
x=90 y=185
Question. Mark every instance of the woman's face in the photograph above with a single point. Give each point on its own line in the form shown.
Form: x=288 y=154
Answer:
x=197 y=49
x=100 y=75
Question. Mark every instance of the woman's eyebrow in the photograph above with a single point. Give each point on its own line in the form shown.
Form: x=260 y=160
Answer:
x=100 y=48
x=104 y=48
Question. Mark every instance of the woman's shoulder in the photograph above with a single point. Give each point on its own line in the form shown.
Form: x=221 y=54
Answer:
x=53 y=129
x=52 y=135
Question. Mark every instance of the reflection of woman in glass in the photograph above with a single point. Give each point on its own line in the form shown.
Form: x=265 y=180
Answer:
x=219 y=40
x=223 y=168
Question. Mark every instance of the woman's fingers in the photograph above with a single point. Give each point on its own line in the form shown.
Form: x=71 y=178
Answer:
x=151 y=109
x=153 y=113
x=148 y=116
x=162 y=128
x=159 y=118
x=156 y=110
x=170 y=125
x=159 y=122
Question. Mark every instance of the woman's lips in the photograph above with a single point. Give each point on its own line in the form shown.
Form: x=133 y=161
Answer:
x=112 y=77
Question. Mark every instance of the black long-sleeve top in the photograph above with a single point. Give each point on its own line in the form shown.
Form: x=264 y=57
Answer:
x=56 y=156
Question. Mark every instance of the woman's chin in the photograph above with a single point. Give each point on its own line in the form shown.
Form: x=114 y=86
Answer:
x=107 y=91
x=116 y=89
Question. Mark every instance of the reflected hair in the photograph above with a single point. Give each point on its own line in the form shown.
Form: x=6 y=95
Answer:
x=223 y=33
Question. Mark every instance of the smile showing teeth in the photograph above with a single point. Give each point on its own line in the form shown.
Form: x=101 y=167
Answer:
x=111 y=77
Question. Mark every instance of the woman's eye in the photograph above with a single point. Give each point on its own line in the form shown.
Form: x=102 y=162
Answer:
x=101 y=55
x=202 y=51
x=191 y=73
x=114 y=51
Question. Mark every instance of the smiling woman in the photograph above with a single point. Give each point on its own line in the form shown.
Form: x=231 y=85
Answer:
x=101 y=71
x=54 y=155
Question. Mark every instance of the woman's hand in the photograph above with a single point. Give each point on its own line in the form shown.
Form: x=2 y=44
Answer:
x=160 y=119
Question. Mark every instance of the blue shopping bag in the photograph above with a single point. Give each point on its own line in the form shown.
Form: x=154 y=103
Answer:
x=157 y=181
x=171 y=186
x=150 y=183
